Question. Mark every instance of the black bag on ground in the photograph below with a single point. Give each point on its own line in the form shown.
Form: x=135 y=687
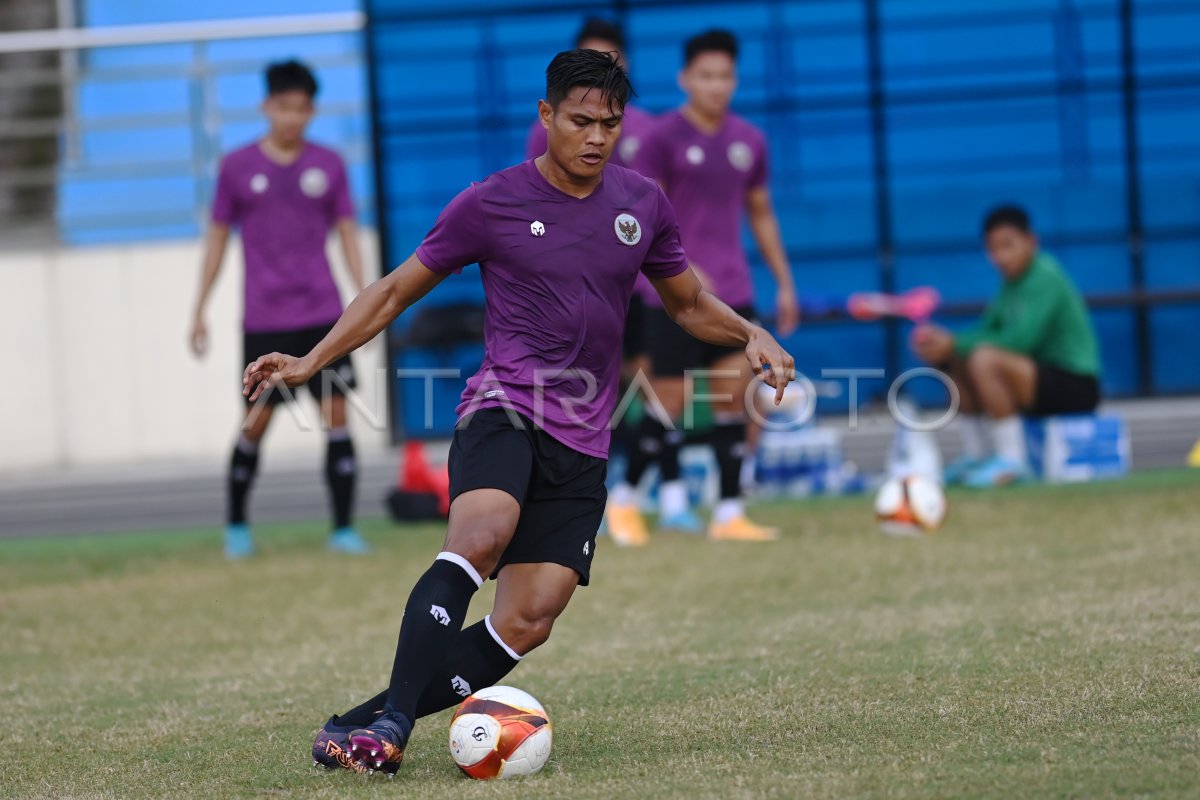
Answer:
x=412 y=506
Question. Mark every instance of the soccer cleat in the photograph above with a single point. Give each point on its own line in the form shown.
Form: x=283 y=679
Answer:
x=958 y=469
x=238 y=542
x=626 y=526
x=331 y=748
x=996 y=471
x=685 y=521
x=347 y=540
x=381 y=746
x=741 y=529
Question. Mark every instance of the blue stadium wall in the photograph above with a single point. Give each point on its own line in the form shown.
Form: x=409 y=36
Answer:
x=894 y=125
x=149 y=148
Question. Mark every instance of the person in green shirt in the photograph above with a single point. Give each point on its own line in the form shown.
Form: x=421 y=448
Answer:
x=1034 y=353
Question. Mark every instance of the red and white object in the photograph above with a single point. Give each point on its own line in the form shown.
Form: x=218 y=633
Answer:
x=916 y=305
x=500 y=732
x=910 y=506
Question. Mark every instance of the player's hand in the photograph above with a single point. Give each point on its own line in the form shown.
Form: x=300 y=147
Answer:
x=932 y=344
x=770 y=362
x=787 y=311
x=199 y=337
x=271 y=370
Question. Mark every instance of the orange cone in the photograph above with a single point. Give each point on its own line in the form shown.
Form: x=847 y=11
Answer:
x=417 y=476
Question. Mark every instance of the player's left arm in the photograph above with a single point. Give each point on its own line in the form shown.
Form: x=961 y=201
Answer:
x=765 y=227
x=700 y=313
x=347 y=230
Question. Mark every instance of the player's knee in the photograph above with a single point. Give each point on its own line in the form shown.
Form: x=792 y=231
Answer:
x=481 y=544
x=525 y=632
x=983 y=361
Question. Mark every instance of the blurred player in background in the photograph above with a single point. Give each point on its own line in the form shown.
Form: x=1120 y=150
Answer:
x=284 y=193
x=713 y=166
x=559 y=241
x=607 y=37
x=1034 y=352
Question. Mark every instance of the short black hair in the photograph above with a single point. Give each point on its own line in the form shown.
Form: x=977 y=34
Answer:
x=716 y=40
x=290 y=76
x=589 y=68
x=599 y=28
x=1007 y=216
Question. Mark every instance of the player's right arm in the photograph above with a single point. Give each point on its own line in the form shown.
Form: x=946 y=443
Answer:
x=373 y=310
x=215 y=242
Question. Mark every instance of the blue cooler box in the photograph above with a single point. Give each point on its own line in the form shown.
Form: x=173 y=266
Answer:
x=1078 y=448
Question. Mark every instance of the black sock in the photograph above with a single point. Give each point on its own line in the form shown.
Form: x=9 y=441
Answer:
x=341 y=470
x=646 y=448
x=475 y=661
x=242 y=467
x=432 y=621
x=729 y=444
x=668 y=462
x=363 y=715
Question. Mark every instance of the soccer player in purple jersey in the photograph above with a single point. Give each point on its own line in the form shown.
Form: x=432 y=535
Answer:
x=609 y=37
x=713 y=166
x=284 y=193
x=559 y=241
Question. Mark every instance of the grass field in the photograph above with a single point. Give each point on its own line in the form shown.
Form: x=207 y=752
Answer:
x=1045 y=644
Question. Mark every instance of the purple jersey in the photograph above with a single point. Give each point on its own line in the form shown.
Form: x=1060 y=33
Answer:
x=633 y=128
x=557 y=276
x=706 y=177
x=285 y=213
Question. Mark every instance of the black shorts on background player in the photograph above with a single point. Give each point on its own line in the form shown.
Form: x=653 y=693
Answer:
x=561 y=491
x=255 y=345
x=1062 y=392
x=633 y=343
x=672 y=350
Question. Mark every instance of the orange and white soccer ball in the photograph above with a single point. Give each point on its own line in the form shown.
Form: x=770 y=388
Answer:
x=500 y=732
x=910 y=506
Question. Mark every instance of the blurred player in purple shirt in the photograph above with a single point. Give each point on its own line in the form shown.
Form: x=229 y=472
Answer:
x=560 y=241
x=607 y=37
x=284 y=194
x=713 y=166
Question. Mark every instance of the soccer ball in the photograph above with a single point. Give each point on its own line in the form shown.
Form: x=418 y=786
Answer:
x=500 y=732
x=910 y=506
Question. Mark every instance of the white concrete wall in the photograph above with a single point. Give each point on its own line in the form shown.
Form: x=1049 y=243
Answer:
x=95 y=367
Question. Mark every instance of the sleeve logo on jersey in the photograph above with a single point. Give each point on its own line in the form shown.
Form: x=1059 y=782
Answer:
x=259 y=183
x=628 y=230
x=741 y=156
x=537 y=228
x=314 y=182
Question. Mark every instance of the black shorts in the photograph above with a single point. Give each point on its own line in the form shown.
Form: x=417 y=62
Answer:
x=1061 y=392
x=673 y=350
x=330 y=380
x=633 y=344
x=561 y=491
